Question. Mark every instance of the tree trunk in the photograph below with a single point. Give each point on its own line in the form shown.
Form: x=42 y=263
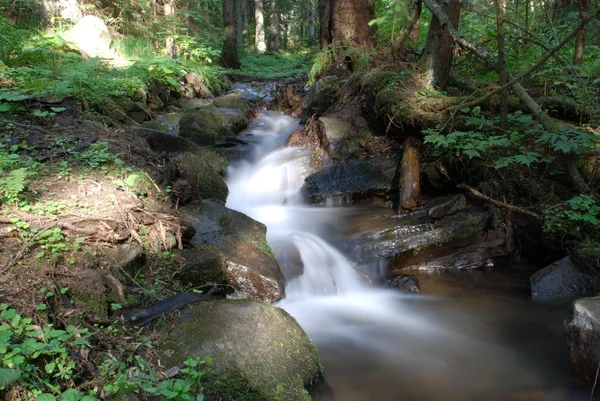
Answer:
x=273 y=45
x=580 y=40
x=312 y=21
x=412 y=29
x=239 y=39
x=169 y=12
x=244 y=18
x=436 y=60
x=348 y=23
x=501 y=64
x=229 y=55
x=259 y=17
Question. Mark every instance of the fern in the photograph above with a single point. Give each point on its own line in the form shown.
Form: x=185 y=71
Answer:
x=13 y=184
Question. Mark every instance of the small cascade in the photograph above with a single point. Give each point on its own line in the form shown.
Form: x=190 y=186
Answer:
x=374 y=344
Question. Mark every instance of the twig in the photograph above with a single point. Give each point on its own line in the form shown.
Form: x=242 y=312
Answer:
x=595 y=381
x=506 y=206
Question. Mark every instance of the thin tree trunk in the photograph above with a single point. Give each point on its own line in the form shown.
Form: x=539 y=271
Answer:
x=169 y=11
x=239 y=38
x=229 y=55
x=501 y=64
x=313 y=11
x=274 y=27
x=244 y=18
x=436 y=60
x=580 y=40
x=412 y=29
x=410 y=174
x=259 y=17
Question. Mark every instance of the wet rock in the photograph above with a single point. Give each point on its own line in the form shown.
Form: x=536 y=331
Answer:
x=233 y=118
x=322 y=95
x=233 y=101
x=582 y=331
x=122 y=255
x=230 y=247
x=259 y=351
x=442 y=207
x=192 y=104
x=92 y=38
x=195 y=86
x=203 y=126
x=357 y=179
x=201 y=173
x=563 y=280
x=165 y=142
x=404 y=283
x=464 y=240
x=339 y=138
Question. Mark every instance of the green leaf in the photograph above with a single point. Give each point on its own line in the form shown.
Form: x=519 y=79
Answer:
x=70 y=395
x=45 y=397
x=49 y=368
x=57 y=109
x=8 y=376
x=131 y=179
x=4 y=107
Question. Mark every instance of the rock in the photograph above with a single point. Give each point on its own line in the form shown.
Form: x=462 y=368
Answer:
x=93 y=290
x=259 y=352
x=357 y=179
x=339 y=138
x=232 y=101
x=67 y=10
x=122 y=255
x=166 y=142
x=193 y=104
x=464 y=240
x=92 y=38
x=230 y=247
x=109 y=108
x=201 y=173
x=442 y=207
x=195 y=86
x=203 y=126
x=563 y=280
x=404 y=283
x=582 y=331
x=322 y=95
x=154 y=125
x=233 y=118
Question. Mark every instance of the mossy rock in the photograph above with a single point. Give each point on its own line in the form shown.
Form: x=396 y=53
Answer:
x=231 y=247
x=259 y=352
x=340 y=138
x=203 y=126
x=234 y=119
x=232 y=101
x=109 y=108
x=202 y=176
x=155 y=125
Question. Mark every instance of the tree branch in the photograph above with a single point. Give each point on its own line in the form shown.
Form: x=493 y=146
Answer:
x=503 y=205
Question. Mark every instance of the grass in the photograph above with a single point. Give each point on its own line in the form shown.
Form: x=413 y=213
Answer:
x=273 y=66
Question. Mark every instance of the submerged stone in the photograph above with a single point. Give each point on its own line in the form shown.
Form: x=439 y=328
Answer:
x=582 y=330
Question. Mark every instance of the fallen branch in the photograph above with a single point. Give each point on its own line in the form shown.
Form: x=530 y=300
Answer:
x=503 y=205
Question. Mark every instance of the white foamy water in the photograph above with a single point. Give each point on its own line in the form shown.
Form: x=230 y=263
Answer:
x=375 y=344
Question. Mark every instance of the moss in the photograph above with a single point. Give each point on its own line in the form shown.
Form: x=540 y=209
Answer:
x=154 y=125
x=205 y=264
x=201 y=176
x=586 y=255
x=262 y=244
x=232 y=101
x=203 y=126
x=109 y=108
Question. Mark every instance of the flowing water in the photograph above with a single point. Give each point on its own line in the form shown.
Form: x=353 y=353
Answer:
x=468 y=336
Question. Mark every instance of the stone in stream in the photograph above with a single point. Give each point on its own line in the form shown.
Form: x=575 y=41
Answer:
x=230 y=247
x=356 y=179
x=339 y=138
x=404 y=283
x=446 y=206
x=259 y=352
x=209 y=125
x=582 y=330
x=563 y=280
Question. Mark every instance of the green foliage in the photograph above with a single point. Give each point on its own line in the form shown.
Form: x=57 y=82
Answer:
x=143 y=379
x=336 y=54
x=13 y=184
x=577 y=219
x=272 y=66
x=521 y=144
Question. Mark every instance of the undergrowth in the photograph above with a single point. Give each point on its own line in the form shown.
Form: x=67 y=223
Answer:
x=272 y=66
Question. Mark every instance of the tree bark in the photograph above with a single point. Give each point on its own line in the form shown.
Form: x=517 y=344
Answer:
x=347 y=23
x=410 y=174
x=239 y=38
x=259 y=17
x=274 y=27
x=501 y=64
x=169 y=11
x=229 y=55
x=580 y=40
x=436 y=60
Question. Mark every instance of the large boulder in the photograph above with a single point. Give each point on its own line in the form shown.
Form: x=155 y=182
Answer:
x=92 y=38
x=203 y=126
x=233 y=118
x=230 y=247
x=233 y=101
x=259 y=352
x=357 y=179
x=322 y=95
x=563 y=280
x=582 y=330
x=195 y=86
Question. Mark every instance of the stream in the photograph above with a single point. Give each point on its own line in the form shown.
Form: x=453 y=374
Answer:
x=469 y=335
